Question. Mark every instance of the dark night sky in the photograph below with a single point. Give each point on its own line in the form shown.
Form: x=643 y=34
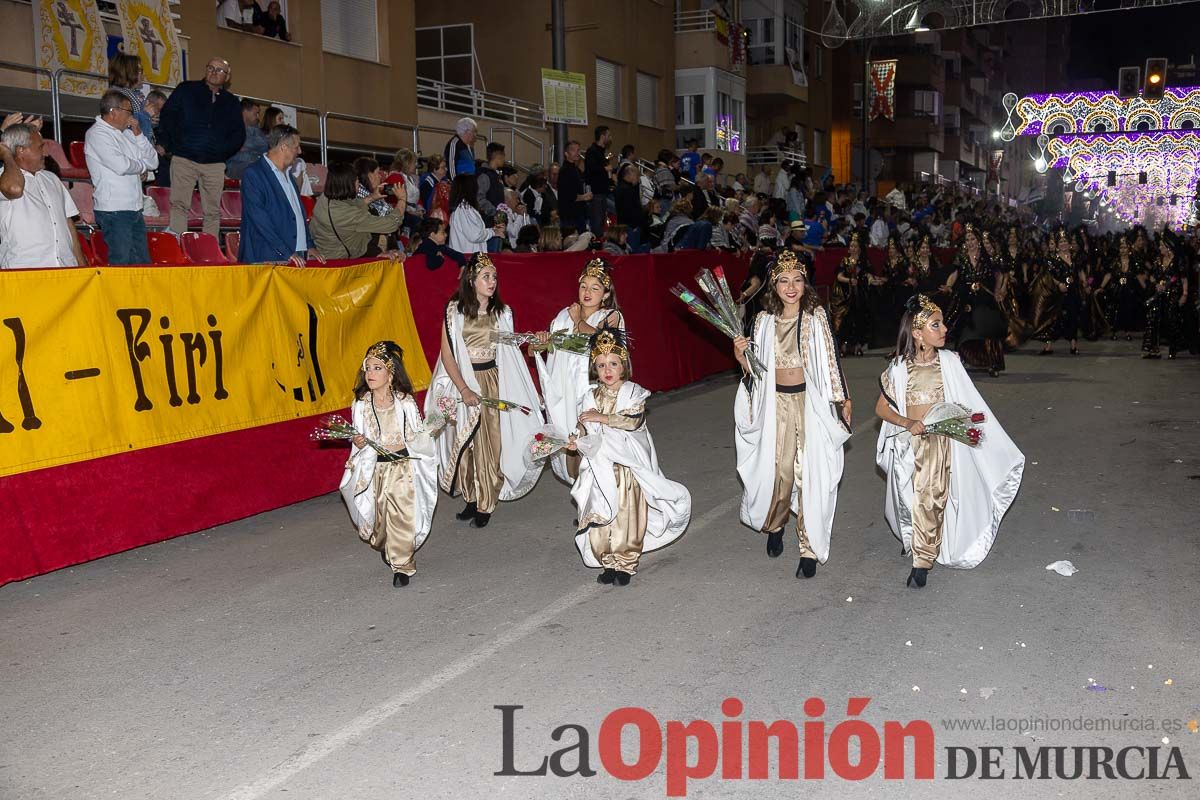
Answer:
x=1103 y=43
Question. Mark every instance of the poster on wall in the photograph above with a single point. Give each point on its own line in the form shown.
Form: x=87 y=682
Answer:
x=150 y=35
x=68 y=34
x=564 y=96
x=883 y=89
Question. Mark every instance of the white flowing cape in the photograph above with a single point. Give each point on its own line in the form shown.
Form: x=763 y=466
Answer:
x=824 y=436
x=564 y=379
x=516 y=429
x=984 y=480
x=595 y=490
x=358 y=487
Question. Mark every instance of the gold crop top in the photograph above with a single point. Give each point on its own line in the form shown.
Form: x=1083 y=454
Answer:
x=924 y=384
x=477 y=333
x=787 y=344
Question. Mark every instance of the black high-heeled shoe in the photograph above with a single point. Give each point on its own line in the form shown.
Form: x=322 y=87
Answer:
x=993 y=372
x=606 y=576
x=623 y=578
x=467 y=513
x=481 y=520
x=775 y=543
x=807 y=568
x=399 y=580
x=918 y=576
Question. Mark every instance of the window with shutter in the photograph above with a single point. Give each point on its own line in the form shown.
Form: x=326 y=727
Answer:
x=647 y=100
x=350 y=28
x=608 y=89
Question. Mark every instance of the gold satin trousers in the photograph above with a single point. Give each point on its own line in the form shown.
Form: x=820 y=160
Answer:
x=479 y=477
x=789 y=467
x=618 y=545
x=395 y=531
x=931 y=490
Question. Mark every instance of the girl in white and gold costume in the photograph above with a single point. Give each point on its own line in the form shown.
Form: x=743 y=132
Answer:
x=792 y=423
x=945 y=499
x=391 y=498
x=626 y=505
x=564 y=375
x=481 y=453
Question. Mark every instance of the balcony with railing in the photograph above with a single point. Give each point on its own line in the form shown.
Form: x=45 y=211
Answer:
x=471 y=102
x=704 y=39
x=769 y=155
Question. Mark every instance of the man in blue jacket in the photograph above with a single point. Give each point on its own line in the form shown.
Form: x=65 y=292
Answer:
x=274 y=227
x=201 y=127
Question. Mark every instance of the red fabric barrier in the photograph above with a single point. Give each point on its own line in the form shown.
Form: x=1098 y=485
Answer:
x=53 y=518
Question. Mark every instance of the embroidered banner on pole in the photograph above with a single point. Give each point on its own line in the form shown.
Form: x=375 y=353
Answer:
x=96 y=361
x=150 y=35
x=68 y=34
x=883 y=89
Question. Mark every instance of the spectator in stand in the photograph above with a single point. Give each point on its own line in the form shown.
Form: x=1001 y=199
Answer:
x=433 y=233
x=435 y=167
x=372 y=186
x=118 y=154
x=815 y=229
x=703 y=196
x=490 y=183
x=518 y=215
x=880 y=228
x=534 y=198
x=408 y=195
x=783 y=181
x=459 y=155
x=596 y=177
x=572 y=194
x=202 y=128
x=125 y=75
x=664 y=176
x=153 y=107
x=255 y=144
x=689 y=162
x=557 y=240
x=528 y=239
x=630 y=211
x=342 y=227
x=35 y=208
x=616 y=241
x=468 y=233
x=273 y=225
x=239 y=15
x=682 y=232
x=762 y=182
x=272 y=22
x=271 y=117
x=795 y=198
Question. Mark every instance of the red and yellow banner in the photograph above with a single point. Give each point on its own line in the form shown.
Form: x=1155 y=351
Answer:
x=101 y=361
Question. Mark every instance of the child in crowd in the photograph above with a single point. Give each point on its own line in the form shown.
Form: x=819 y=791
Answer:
x=392 y=494
x=433 y=232
x=626 y=505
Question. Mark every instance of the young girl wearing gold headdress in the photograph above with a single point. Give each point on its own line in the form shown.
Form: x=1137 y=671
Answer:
x=481 y=453
x=391 y=498
x=626 y=505
x=792 y=422
x=564 y=375
x=941 y=514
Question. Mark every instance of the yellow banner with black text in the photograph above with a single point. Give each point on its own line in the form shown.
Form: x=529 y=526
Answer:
x=101 y=361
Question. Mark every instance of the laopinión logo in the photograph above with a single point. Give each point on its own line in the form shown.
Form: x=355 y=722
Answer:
x=735 y=749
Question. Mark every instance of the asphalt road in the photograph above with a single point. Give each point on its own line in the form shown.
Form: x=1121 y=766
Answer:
x=271 y=658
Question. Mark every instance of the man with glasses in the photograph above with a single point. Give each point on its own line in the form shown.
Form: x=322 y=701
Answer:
x=274 y=225
x=201 y=127
x=118 y=154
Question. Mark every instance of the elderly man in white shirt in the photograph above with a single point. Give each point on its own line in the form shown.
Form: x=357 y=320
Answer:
x=118 y=154
x=35 y=208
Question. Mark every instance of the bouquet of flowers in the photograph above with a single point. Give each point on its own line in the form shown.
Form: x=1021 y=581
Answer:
x=566 y=341
x=445 y=410
x=955 y=422
x=505 y=405
x=722 y=314
x=335 y=428
x=548 y=440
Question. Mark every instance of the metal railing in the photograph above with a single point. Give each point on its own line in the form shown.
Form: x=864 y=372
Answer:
x=693 y=21
x=513 y=135
x=382 y=123
x=767 y=155
x=472 y=102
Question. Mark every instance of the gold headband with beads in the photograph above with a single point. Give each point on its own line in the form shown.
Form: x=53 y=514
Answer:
x=596 y=268
x=786 y=261
x=481 y=260
x=379 y=350
x=606 y=342
x=927 y=310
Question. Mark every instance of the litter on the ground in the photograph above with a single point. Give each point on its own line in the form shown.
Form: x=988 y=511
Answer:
x=1064 y=568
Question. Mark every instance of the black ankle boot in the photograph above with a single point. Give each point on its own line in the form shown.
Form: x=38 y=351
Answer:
x=467 y=513
x=775 y=543
x=399 y=580
x=606 y=576
x=481 y=520
x=807 y=568
x=623 y=578
x=917 y=576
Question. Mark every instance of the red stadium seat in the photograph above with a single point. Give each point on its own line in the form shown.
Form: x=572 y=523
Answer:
x=69 y=173
x=162 y=198
x=81 y=195
x=309 y=204
x=76 y=155
x=196 y=215
x=233 y=240
x=165 y=249
x=202 y=248
x=231 y=209
x=99 y=247
x=232 y=183
x=317 y=174
x=89 y=255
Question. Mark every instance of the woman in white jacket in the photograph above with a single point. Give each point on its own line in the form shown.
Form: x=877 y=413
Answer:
x=468 y=233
